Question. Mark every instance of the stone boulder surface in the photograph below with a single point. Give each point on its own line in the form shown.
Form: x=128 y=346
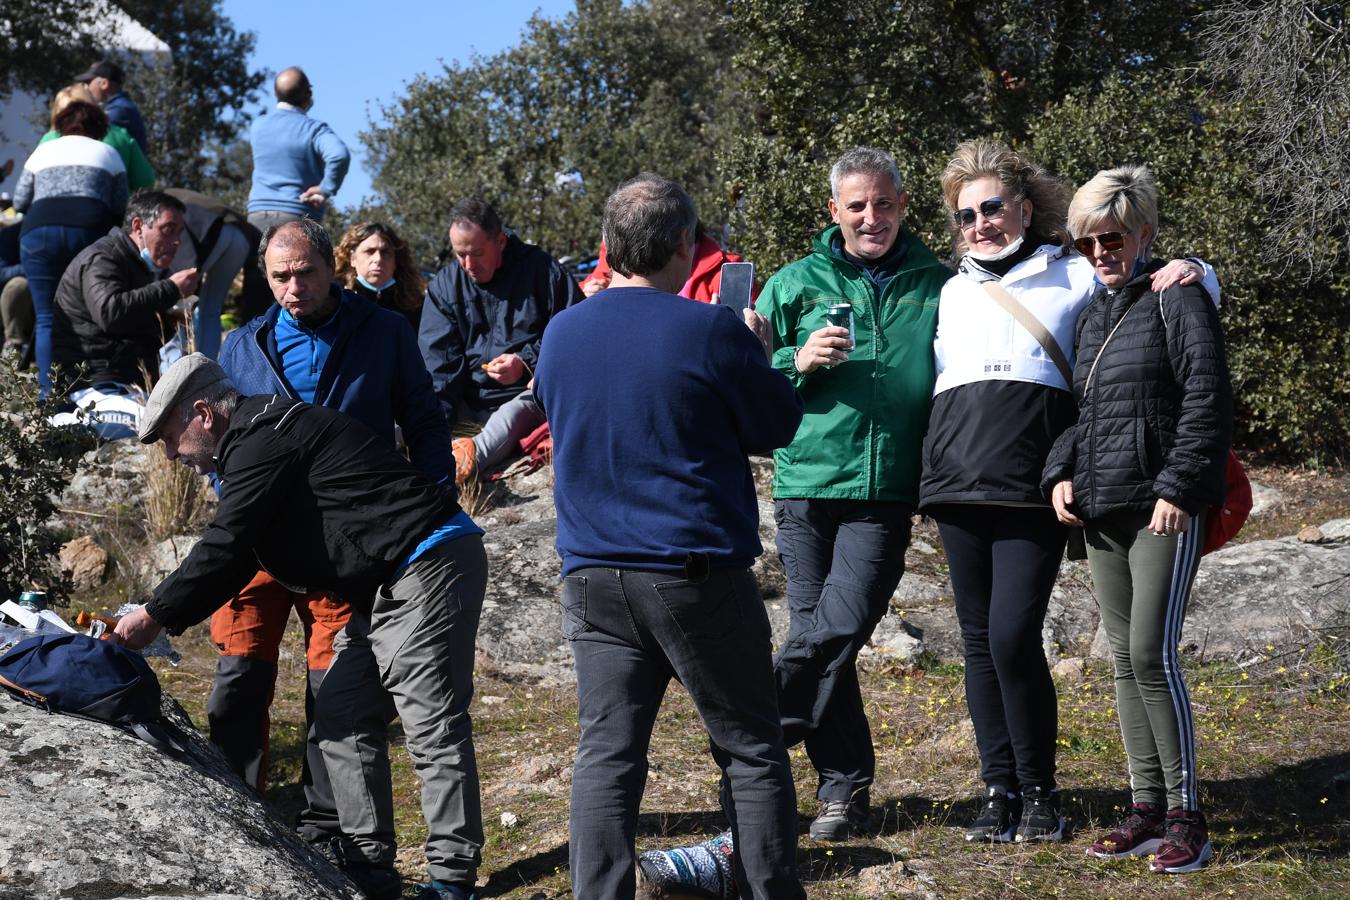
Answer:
x=93 y=812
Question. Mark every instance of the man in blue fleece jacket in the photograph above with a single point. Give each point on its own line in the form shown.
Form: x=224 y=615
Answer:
x=298 y=162
x=657 y=528
x=333 y=348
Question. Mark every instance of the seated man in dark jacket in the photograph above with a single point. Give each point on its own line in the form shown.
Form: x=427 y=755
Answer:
x=322 y=501
x=480 y=332
x=108 y=324
x=323 y=345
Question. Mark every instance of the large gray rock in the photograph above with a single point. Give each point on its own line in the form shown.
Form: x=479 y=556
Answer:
x=92 y=812
x=1281 y=592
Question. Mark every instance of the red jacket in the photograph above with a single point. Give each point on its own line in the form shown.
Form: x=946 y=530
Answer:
x=704 y=281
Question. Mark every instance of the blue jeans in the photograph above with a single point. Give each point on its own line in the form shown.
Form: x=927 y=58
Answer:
x=45 y=252
x=631 y=632
x=843 y=560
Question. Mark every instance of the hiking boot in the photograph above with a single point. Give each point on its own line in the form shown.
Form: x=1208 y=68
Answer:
x=703 y=870
x=1185 y=845
x=839 y=819
x=998 y=817
x=1041 y=820
x=377 y=882
x=1138 y=834
x=466 y=456
x=443 y=890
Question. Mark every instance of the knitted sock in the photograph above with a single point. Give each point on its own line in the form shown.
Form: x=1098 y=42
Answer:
x=705 y=868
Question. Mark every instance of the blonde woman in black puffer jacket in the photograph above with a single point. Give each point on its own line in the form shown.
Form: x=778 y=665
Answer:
x=1138 y=471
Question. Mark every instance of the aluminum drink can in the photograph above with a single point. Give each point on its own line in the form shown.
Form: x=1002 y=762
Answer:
x=34 y=600
x=840 y=315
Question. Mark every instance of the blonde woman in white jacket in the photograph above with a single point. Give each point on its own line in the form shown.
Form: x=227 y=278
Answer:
x=1002 y=397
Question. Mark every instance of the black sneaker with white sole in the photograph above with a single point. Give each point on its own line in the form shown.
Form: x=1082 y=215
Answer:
x=1041 y=819
x=997 y=821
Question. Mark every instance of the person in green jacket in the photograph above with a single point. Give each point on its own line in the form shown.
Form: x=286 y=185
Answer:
x=846 y=487
x=140 y=174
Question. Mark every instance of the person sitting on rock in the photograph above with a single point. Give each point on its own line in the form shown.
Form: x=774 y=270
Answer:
x=481 y=327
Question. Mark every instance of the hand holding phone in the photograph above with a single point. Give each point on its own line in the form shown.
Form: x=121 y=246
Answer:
x=736 y=282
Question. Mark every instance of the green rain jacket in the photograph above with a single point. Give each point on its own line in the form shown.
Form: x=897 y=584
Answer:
x=865 y=418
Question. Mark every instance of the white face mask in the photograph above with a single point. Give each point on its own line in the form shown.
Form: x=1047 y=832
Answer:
x=1007 y=251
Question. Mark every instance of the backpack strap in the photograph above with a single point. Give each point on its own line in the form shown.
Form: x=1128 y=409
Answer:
x=1028 y=320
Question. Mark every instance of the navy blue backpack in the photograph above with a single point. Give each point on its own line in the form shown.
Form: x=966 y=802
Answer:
x=80 y=676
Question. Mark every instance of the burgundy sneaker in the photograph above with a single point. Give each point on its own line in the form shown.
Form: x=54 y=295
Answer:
x=1185 y=846
x=1138 y=834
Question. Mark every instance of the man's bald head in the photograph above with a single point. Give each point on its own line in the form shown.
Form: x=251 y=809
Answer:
x=292 y=86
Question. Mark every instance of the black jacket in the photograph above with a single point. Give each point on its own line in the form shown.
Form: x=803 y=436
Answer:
x=385 y=300
x=107 y=316
x=466 y=324
x=311 y=496
x=1156 y=420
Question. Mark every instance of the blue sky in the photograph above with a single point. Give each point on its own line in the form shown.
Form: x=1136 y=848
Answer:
x=361 y=54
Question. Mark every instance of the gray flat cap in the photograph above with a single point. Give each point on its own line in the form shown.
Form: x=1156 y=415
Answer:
x=190 y=376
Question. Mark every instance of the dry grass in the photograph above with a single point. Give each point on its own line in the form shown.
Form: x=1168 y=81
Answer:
x=173 y=495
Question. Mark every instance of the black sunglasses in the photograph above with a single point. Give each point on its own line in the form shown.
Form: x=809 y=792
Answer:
x=990 y=209
x=1111 y=241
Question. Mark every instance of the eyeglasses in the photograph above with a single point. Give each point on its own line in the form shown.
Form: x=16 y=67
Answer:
x=993 y=208
x=1110 y=242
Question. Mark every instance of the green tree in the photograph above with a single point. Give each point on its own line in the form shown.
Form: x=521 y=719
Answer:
x=913 y=78
x=194 y=106
x=44 y=42
x=1287 y=336
x=546 y=129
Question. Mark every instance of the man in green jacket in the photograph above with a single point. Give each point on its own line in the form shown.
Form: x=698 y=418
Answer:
x=846 y=487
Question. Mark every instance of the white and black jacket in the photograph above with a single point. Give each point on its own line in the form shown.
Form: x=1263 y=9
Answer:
x=1156 y=417
x=1000 y=401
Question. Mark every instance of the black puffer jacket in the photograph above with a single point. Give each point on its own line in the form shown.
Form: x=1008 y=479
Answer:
x=107 y=324
x=1157 y=418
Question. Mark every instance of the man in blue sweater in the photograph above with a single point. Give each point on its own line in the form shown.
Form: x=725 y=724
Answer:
x=658 y=526
x=334 y=348
x=298 y=162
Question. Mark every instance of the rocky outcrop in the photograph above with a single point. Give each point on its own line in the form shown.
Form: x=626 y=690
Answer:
x=93 y=812
x=85 y=561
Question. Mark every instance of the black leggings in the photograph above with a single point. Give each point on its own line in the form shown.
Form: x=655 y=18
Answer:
x=1003 y=561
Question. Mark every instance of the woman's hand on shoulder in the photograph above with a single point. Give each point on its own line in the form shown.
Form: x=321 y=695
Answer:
x=1178 y=271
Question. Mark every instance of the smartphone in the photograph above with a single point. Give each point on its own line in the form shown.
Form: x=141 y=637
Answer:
x=738 y=279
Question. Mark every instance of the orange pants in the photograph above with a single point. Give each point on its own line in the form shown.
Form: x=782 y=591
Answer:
x=248 y=631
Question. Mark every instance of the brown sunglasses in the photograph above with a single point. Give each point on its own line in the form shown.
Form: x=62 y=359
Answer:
x=1110 y=241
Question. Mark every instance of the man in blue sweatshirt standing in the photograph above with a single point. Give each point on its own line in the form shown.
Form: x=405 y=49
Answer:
x=298 y=162
x=658 y=526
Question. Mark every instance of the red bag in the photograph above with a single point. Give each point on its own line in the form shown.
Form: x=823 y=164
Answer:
x=1225 y=521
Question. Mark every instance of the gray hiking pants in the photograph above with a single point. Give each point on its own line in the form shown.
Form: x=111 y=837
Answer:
x=504 y=429
x=1143 y=581
x=417 y=649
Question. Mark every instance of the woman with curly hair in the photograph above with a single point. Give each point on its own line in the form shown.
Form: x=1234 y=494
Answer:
x=1004 y=351
x=373 y=260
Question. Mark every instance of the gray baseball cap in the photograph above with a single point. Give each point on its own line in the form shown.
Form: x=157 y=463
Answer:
x=190 y=376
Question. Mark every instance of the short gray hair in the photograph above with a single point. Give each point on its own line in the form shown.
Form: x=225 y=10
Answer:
x=222 y=397
x=864 y=161
x=310 y=230
x=1125 y=194
x=645 y=221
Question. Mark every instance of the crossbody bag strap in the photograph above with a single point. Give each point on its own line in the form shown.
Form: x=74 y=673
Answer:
x=1087 y=382
x=1024 y=317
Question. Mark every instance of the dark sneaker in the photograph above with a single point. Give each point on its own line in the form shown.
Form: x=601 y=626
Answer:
x=376 y=882
x=1040 y=820
x=998 y=817
x=1138 y=834
x=703 y=870
x=442 y=890
x=1185 y=845
x=839 y=819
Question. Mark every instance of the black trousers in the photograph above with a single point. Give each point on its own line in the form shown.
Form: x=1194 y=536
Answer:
x=1003 y=561
x=843 y=559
